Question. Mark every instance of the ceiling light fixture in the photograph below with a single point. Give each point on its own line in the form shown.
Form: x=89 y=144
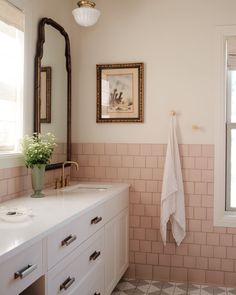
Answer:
x=86 y=14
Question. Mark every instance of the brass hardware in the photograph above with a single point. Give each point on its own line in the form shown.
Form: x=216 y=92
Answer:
x=95 y=255
x=67 y=181
x=196 y=127
x=68 y=282
x=86 y=3
x=25 y=271
x=67 y=241
x=57 y=183
x=172 y=113
x=96 y=220
x=63 y=171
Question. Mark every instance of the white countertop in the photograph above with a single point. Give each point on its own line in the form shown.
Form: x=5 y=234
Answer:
x=56 y=209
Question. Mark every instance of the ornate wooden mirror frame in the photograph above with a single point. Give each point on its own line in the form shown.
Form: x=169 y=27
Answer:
x=37 y=81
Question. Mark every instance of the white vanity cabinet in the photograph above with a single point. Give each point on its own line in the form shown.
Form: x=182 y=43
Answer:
x=20 y=271
x=116 y=249
x=84 y=254
x=96 y=255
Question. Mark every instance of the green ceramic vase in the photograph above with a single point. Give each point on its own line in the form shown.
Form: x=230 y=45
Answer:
x=38 y=181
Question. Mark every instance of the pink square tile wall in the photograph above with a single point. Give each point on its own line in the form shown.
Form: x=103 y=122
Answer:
x=16 y=182
x=208 y=253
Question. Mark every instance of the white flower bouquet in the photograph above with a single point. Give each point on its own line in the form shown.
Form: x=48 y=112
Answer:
x=37 y=149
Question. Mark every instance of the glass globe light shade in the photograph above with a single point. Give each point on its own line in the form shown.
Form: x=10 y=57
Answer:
x=86 y=16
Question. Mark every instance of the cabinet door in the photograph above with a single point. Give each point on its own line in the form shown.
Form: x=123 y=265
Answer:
x=116 y=249
x=122 y=243
x=93 y=283
x=110 y=255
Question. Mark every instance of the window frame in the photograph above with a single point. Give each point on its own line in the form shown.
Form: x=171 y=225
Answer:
x=222 y=217
x=15 y=159
x=229 y=127
x=19 y=99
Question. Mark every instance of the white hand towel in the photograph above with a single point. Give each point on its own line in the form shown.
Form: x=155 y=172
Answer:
x=172 y=197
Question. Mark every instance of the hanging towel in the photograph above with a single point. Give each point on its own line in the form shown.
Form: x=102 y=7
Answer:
x=172 y=197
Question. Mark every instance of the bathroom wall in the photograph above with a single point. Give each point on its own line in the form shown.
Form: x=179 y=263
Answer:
x=16 y=181
x=176 y=40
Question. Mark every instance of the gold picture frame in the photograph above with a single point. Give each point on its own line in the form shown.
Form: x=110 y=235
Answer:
x=120 y=93
x=45 y=94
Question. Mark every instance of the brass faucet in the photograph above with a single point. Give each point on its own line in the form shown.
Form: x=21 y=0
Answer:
x=63 y=180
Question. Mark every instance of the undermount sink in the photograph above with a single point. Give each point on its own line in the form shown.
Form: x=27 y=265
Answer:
x=83 y=188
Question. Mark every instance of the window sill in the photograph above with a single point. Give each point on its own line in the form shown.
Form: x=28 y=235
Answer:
x=226 y=219
x=11 y=159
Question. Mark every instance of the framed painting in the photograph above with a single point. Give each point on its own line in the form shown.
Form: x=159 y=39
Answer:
x=120 y=93
x=45 y=94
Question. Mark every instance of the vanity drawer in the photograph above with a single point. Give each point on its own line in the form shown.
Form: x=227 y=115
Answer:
x=66 y=239
x=93 y=283
x=20 y=271
x=68 y=274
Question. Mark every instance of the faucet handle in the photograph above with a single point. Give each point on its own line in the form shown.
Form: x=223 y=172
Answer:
x=57 y=183
x=62 y=181
x=67 y=180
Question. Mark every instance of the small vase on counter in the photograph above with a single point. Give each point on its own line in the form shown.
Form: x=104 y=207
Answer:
x=37 y=150
x=38 y=172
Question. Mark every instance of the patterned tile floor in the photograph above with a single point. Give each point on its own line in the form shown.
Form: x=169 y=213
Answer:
x=141 y=287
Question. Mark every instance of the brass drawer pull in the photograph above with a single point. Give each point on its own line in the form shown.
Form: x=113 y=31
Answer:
x=67 y=241
x=25 y=271
x=95 y=255
x=96 y=220
x=68 y=282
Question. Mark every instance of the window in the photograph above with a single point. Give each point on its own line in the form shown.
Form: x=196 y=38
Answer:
x=225 y=128
x=11 y=76
x=231 y=124
x=231 y=138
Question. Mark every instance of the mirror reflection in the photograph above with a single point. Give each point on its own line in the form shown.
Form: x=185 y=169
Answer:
x=53 y=91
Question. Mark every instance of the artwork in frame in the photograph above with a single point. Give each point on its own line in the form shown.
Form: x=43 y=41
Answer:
x=45 y=94
x=120 y=92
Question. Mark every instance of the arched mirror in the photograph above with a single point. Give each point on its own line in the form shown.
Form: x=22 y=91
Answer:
x=52 y=105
